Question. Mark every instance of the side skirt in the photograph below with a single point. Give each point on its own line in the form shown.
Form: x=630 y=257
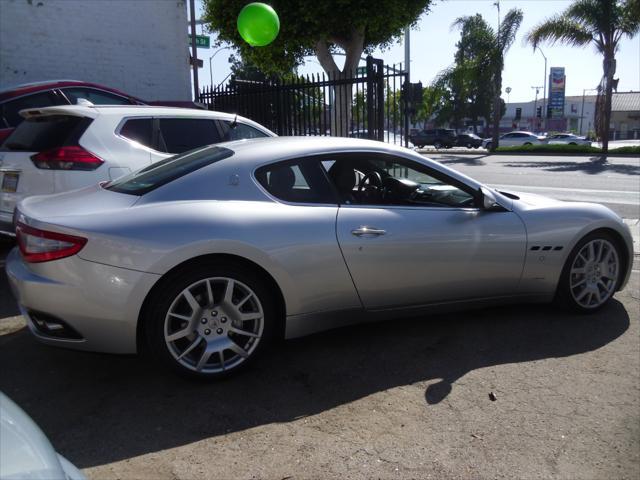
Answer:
x=308 y=323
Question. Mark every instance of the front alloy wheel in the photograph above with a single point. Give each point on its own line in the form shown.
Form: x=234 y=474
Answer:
x=591 y=274
x=594 y=273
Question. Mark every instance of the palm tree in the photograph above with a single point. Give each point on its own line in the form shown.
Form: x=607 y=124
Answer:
x=500 y=41
x=601 y=23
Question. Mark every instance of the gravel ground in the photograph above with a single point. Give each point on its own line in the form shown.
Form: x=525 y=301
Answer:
x=399 y=399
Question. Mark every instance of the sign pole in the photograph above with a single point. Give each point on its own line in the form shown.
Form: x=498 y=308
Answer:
x=194 y=52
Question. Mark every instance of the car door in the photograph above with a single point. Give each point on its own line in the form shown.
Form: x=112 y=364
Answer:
x=509 y=140
x=401 y=251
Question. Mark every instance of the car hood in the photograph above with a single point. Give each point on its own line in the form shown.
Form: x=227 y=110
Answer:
x=25 y=451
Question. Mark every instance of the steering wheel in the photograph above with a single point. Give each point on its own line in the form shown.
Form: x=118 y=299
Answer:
x=374 y=183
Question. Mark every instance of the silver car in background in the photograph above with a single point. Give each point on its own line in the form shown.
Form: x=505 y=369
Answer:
x=203 y=258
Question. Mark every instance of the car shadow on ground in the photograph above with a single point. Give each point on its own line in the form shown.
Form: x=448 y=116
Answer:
x=97 y=409
x=468 y=160
x=595 y=166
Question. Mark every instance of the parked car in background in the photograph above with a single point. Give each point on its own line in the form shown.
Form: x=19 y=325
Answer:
x=51 y=93
x=439 y=138
x=207 y=256
x=389 y=137
x=25 y=451
x=469 y=140
x=57 y=149
x=515 y=139
x=566 y=139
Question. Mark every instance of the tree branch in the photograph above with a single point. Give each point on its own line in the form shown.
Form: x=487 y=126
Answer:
x=325 y=58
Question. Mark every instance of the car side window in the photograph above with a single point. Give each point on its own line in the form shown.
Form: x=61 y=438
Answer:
x=139 y=130
x=372 y=179
x=97 y=97
x=9 y=110
x=297 y=181
x=239 y=131
x=179 y=135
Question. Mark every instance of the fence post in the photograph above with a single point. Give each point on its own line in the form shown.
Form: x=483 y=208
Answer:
x=370 y=105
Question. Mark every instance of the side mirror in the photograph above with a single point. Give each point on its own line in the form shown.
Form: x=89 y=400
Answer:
x=489 y=201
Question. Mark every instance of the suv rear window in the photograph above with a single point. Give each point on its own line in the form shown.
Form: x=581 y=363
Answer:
x=167 y=170
x=42 y=133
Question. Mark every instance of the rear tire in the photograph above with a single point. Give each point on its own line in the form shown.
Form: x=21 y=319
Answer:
x=209 y=320
x=591 y=274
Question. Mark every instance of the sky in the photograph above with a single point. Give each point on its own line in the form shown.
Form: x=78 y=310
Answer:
x=433 y=46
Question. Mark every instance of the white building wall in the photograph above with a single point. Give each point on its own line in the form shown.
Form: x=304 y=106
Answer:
x=137 y=46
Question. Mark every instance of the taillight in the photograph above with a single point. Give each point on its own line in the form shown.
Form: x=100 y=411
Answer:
x=43 y=246
x=66 y=158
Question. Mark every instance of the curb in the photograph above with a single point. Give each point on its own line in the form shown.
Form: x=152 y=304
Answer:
x=485 y=153
x=634 y=226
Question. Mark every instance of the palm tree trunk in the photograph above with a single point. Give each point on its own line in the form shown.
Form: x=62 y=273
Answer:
x=496 y=111
x=609 y=70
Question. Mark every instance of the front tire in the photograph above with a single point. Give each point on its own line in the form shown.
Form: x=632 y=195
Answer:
x=591 y=274
x=209 y=320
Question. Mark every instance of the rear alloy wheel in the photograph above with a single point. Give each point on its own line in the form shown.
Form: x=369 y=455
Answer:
x=591 y=274
x=210 y=325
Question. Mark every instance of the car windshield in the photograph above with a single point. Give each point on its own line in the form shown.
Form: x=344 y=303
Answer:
x=167 y=170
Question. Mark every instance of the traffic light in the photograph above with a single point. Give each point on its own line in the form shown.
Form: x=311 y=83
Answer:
x=518 y=113
x=539 y=112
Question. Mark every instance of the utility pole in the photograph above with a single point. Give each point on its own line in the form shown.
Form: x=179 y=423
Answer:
x=407 y=53
x=544 y=92
x=194 y=51
x=535 y=109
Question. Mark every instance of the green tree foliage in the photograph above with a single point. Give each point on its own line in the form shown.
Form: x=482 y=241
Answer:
x=318 y=27
x=601 y=23
x=470 y=88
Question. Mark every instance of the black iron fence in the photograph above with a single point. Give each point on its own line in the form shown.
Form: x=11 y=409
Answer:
x=366 y=103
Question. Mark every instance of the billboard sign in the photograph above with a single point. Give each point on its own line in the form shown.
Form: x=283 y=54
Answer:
x=557 y=81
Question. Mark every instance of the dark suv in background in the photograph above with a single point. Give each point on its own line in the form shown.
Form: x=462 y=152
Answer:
x=438 y=137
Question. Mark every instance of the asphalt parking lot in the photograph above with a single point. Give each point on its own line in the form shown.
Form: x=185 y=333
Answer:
x=399 y=399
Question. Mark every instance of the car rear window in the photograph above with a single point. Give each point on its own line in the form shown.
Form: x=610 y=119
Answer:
x=42 y=133
x=167 y=170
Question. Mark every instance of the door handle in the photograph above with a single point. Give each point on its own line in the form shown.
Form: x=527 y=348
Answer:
x=368 y=231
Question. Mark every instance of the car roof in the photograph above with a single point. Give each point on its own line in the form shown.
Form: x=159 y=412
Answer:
x=33 y=87
x=254 y=152
x=93 y=111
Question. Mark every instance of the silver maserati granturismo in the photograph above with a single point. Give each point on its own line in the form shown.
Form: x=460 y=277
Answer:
x=204 y=258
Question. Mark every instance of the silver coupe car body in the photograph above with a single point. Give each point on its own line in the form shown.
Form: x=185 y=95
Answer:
x=329 y=259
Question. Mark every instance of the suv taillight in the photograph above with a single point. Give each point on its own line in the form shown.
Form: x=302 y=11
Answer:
x=43 y=246
x=66 y=158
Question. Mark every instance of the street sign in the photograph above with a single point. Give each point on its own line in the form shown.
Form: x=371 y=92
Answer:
x=202 y=41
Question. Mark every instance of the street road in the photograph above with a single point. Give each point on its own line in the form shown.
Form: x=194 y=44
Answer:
x=615 y=183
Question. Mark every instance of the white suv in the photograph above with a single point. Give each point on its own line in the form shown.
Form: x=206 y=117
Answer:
x=57 y=149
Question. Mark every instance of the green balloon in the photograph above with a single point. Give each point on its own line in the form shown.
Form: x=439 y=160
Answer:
x=258 y=24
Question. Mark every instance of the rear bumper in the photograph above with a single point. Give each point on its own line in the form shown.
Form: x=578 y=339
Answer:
x=99 y=302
